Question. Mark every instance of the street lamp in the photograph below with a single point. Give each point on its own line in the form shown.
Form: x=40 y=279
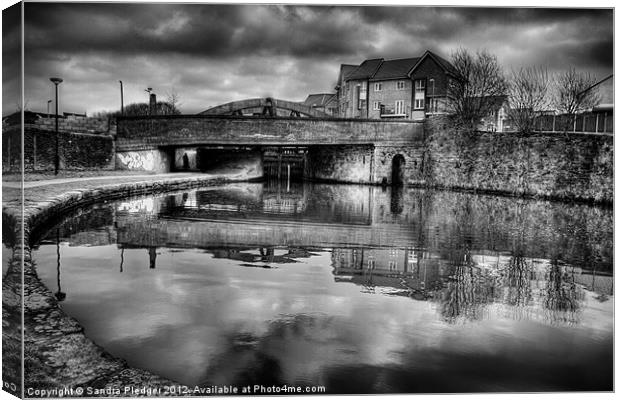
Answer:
x=56 y=81
x=60 y=295
x=122 y=108
x=433 y=103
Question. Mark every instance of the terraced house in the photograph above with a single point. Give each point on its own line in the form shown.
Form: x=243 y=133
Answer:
x=409 y=88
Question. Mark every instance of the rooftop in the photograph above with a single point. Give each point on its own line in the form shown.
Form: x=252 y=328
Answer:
x=394 y=69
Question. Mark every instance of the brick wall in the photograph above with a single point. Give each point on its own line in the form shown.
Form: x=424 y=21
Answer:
x=388 y=95
x=76 y=151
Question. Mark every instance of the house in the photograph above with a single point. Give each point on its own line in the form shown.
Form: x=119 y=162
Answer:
x=409 y=88
x=341 y=98
x=391 y=88
x=324 y=102
x=497 y=120
x=354 y=90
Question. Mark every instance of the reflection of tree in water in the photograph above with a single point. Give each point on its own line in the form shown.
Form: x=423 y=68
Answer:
x=561 y=296
x=467 y=292
x=517 y=279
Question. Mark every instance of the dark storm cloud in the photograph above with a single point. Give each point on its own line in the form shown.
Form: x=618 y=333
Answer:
x=211 y=54
x=201 y=30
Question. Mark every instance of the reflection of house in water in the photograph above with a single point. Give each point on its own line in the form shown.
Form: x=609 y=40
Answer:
x=409 y=270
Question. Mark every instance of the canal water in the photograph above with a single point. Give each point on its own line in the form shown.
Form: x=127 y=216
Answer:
x=356 y=288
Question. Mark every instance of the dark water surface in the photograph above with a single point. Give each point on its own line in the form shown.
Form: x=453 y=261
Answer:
x=356 y=288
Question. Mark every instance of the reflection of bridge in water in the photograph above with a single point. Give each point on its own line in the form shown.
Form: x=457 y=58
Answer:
x=404 y=243
x=265 y=217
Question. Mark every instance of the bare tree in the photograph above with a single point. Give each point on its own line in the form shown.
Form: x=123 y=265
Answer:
x=473 y=94
x=575 y=91
x=172 y=98
x=527 y=96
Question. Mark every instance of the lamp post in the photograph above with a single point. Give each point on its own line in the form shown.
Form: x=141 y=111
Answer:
x=60 y=295
x=433 y=104
x=56 y=81
x=48 y=108
x=122 y=108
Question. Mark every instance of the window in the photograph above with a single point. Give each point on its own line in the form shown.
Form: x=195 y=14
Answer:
x=400 y=85
x=434 y=105
x=420 y=92
x=376 y=105
x=399 y=107
x=378 y=87
x=360 y=93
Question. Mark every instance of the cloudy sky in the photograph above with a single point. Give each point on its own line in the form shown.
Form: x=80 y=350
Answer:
x=212 y=54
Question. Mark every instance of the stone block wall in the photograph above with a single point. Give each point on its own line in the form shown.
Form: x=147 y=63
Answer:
x=77 y=124
x=561 y=166
x=413 y=166
x=350 y=164
x=76 y=151
x=144 y=133
x=152 y=161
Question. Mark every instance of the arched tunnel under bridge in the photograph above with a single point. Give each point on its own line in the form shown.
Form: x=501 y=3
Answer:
x=328 y=149
x=336 y=163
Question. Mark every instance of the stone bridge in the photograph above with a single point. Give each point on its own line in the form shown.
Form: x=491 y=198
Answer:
x=265 y=106
x=345 y=150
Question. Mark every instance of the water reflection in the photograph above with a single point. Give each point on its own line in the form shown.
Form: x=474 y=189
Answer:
x=309 y=283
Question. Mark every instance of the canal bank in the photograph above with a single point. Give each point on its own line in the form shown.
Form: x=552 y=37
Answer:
x=175 y=282
x=57 y=353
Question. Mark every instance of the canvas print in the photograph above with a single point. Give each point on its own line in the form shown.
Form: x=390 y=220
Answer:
x=259 y=199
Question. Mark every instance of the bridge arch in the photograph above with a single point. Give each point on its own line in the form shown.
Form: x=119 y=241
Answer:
x=265 y=106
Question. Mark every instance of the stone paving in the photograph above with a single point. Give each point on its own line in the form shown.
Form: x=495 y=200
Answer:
x=56 y=351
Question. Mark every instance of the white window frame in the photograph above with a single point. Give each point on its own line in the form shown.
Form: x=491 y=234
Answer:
x=376 y=105
x=378 y=86
x=419 y=94
x=399 y=107
x=400 y=85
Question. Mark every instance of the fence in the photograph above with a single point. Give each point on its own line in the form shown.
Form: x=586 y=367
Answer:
x=582 y=123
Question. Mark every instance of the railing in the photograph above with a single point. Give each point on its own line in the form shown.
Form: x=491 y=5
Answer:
x=391 y=112
x=582 y=123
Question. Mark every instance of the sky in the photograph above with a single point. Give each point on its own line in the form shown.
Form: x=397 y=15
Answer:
x=211 y=54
